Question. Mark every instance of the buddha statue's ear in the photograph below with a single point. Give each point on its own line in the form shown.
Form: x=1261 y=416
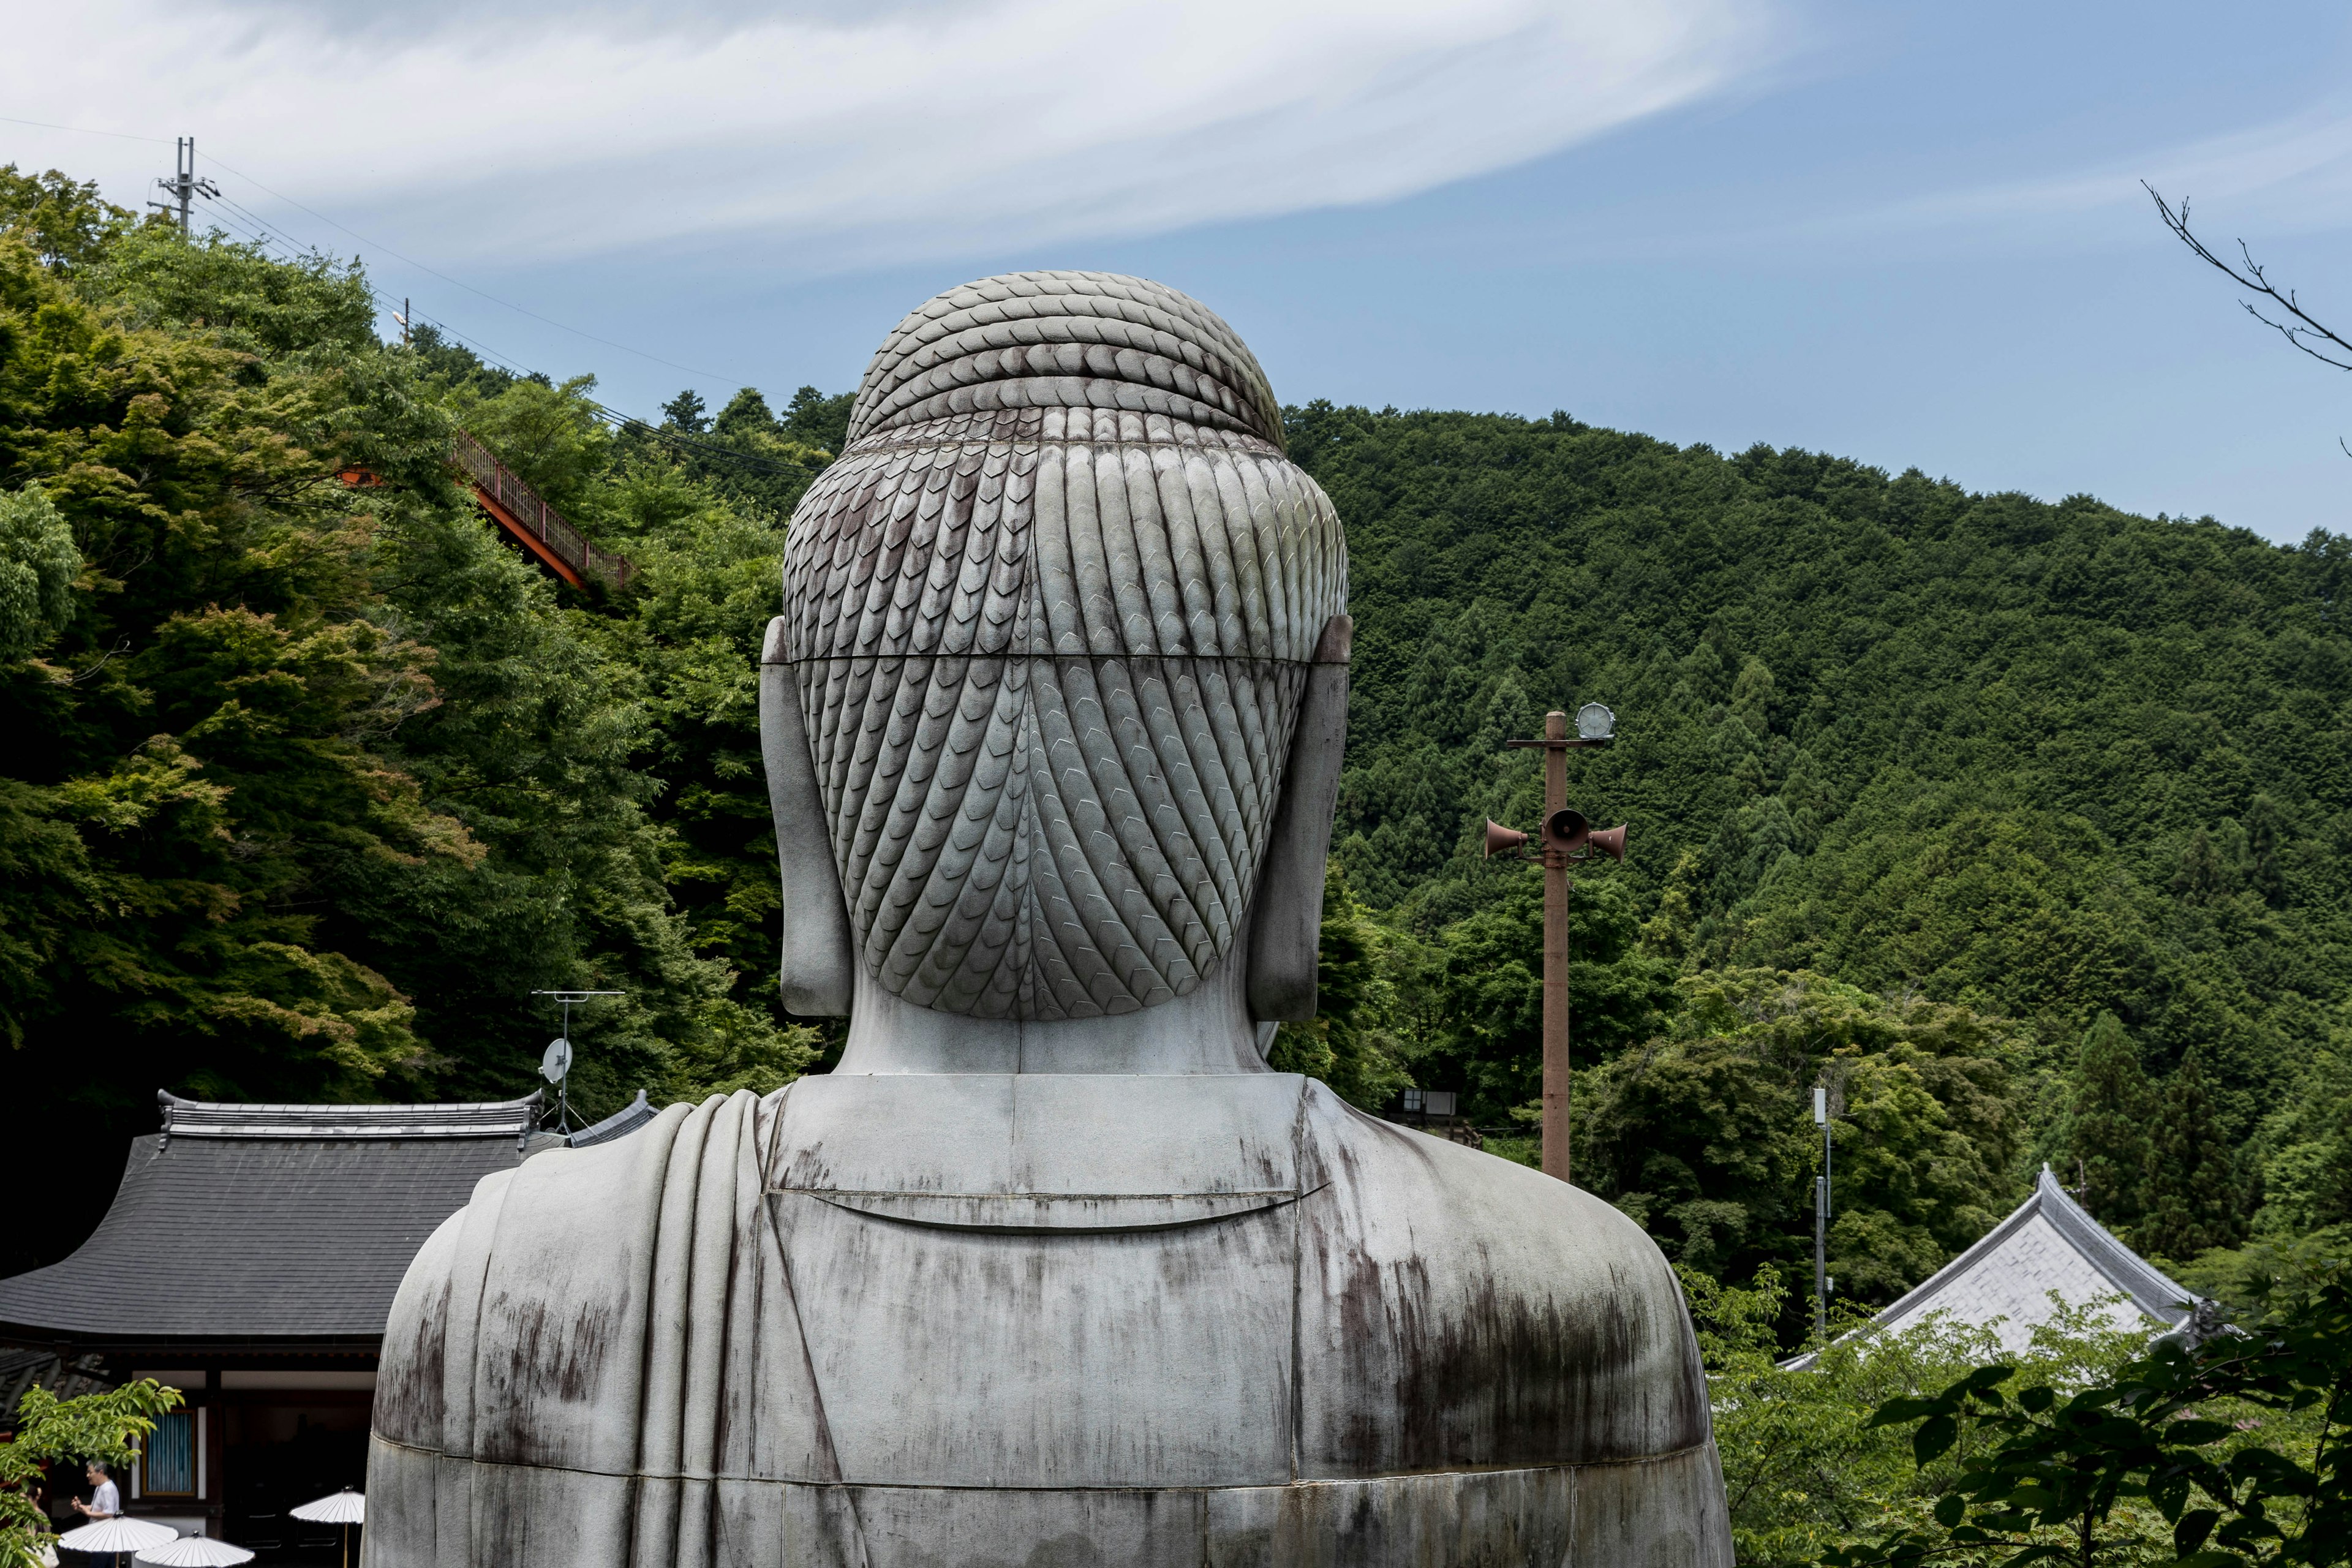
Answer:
x=817 y=971
x=1286 y=915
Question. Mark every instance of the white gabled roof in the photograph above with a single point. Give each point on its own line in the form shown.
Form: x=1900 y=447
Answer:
x=2049 y=1243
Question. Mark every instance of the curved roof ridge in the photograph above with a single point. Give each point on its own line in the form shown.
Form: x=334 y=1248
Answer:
x=622 y=1122
x=231 y=1119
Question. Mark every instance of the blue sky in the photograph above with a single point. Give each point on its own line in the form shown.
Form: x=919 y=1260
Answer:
x=1908 y=234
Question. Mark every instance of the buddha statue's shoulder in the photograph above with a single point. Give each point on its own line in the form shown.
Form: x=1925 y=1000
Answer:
x=522 y=1332
x=1459 y=1310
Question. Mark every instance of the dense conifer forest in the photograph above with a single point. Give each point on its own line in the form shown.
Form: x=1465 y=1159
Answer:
x=2026 y=828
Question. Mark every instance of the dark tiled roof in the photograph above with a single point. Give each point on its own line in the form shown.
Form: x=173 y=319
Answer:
x=280 y=1223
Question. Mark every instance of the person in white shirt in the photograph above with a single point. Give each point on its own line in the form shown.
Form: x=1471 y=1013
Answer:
x=105 y=1501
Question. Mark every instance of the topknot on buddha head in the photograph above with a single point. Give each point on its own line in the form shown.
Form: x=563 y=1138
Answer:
x=1049 y=616
x=1065 y=340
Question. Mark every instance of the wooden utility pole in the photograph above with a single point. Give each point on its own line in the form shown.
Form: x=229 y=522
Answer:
x=1565 y=838
x=1555 y=973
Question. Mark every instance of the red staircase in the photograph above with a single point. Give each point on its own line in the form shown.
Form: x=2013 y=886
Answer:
x=543 y=531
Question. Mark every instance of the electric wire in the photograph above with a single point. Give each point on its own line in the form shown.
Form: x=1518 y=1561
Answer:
x=86 y=130
x=712 y=377
x=259 y=231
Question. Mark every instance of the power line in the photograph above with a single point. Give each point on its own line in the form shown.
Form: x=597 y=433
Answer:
x=710 y=376
x=266 y=235
x=80 y=130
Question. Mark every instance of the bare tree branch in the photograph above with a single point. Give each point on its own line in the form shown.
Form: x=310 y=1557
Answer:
x=2313 y=337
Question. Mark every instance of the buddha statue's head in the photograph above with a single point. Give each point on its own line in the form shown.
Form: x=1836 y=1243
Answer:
x=1050 y=620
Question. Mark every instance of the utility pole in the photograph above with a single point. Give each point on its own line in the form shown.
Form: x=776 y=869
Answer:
x=184 y=185
x=1567 y=837
x=1555 y=981
x=1821 y=1219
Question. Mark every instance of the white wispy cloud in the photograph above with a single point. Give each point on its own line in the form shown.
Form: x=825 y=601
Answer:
x=2284 y=175
x=506 y=129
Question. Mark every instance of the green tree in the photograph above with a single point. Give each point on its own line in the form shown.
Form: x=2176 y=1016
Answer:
x=2191 y=1198
x=1480 y=985
x=37 y=565
x=318 y=782
x=1804 y=1467
x=105 y=1427
x=64 y=220
x=2106 y=1133
x=1351 y=1042
x=1871 y=726
x=1705 y=1134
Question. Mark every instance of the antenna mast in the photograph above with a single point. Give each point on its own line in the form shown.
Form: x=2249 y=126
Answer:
x=556 y=1066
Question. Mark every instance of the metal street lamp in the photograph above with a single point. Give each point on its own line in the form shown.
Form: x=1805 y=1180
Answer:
x=1567 y=836
x=1822 y=1281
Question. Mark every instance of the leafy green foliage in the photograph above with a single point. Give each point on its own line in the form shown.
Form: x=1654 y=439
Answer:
x=65 y=220
x=758 y=462
x=1703 y=1132
x=37 y=565
x=316 y=783
x=2238 y=1445
x=105 y=1427
x=1805 y=1468
x=1349 y=1044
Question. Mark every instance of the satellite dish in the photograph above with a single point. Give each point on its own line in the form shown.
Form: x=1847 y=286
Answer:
x=557 y=1063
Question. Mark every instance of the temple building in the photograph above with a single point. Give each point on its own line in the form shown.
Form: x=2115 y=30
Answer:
x=249 y=1258
x=2049 y=1243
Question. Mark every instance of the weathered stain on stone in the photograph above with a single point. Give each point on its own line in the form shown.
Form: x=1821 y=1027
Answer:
x=537 y=1352
x=411 y=1393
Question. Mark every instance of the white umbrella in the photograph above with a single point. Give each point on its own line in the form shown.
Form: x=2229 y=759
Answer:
x=197 y=1551
x=118 y=1534
x=346 y=1506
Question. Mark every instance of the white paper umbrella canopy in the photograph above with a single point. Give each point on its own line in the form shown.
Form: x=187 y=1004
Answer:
x=344 y=1508
x=197 y=1551
x=119 y=1535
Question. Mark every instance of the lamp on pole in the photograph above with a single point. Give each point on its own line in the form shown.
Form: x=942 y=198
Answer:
x=1567 y=836
x=1822 y=1281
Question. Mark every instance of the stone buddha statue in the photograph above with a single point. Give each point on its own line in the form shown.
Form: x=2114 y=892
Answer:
x=1052 y=1268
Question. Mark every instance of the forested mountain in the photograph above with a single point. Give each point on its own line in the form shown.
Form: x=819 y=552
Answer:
x=2023 y=826
x=1944 y=795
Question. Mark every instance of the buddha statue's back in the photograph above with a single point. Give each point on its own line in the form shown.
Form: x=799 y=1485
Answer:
x=1052 y=1268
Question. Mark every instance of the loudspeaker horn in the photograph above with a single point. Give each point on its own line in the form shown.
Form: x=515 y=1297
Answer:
x=1610 y=841
x=1565 y=829
x=1501 y=840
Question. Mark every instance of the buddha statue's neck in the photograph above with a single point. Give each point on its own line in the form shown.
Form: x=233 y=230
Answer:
x=1208 y=1031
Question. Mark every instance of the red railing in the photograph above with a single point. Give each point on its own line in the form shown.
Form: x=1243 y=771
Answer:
x=542 y=530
